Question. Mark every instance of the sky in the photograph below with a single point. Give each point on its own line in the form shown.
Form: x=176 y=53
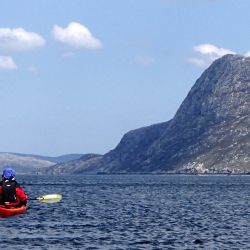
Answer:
x=76 y=75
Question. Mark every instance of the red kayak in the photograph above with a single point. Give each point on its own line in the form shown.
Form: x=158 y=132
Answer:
x=4 y=211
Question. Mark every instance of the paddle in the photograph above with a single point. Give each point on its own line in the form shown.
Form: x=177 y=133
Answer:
x=48 y=198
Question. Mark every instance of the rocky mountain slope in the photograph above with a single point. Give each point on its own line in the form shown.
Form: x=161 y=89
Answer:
x=74 y=166
x=210 y=132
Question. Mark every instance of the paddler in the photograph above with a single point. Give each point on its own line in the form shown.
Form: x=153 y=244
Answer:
x=11 y=194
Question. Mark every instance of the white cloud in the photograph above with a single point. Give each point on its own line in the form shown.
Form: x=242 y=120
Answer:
x=145 y=60
x=7 y=63
x=76 y=35
x=19 y=39
x=212 y=51
x=207 y=53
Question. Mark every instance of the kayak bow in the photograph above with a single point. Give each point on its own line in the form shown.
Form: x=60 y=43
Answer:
x=4 y=211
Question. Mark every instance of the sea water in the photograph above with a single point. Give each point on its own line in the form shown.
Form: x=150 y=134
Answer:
x=133 y=212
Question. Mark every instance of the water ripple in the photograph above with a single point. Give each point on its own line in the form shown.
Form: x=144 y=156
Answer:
x=133 y=212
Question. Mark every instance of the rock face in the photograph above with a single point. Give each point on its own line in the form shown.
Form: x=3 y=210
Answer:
x=210 y=132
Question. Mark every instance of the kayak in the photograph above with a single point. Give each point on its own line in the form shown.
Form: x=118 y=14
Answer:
x=4 y=212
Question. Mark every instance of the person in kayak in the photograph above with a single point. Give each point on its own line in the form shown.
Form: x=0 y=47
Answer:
x=11 y=194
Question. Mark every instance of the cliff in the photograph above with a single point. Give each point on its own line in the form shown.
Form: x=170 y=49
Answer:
x=210 y=132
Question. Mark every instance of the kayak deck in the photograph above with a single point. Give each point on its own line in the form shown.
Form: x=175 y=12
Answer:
x=4 y=212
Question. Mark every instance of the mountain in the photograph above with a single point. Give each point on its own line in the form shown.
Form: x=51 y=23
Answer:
x=210 y=132
x=30 y=164
x=73 y=166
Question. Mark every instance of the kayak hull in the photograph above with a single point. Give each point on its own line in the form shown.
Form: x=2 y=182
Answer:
x=4 y=212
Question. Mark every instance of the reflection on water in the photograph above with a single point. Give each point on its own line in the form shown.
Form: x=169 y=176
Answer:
x=133 y=212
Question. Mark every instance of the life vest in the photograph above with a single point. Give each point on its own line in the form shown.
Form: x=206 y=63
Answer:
x=9 y=191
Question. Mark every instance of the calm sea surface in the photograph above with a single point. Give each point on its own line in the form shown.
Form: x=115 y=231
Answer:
x=133 y=212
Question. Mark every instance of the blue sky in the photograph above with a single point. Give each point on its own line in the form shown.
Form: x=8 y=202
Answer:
x=75 y=75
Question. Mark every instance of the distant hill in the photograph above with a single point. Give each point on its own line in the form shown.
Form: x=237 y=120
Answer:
x=74 y=166
x=55 y=159
x=27 y=163
x=210 y=133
